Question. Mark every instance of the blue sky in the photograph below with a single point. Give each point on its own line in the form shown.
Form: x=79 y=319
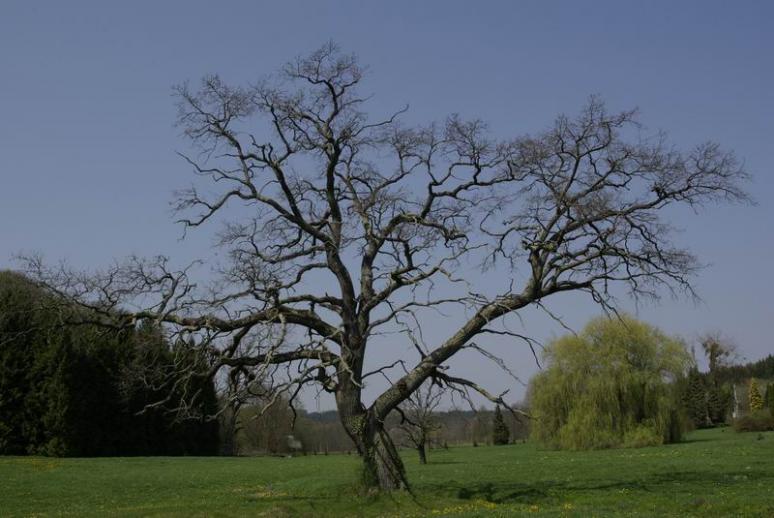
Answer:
x=87 y=142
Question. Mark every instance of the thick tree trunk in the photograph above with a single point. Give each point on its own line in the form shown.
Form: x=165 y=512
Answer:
x=383 y=468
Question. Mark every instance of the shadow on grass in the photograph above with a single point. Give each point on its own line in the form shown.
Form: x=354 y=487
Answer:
x=692 y=440
x=539 y=492
x=543 y=491
x=525 y=494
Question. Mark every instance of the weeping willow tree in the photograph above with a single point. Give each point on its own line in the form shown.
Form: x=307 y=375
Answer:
x=617 y=383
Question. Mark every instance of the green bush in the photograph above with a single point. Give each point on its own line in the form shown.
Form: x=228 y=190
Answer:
x=760 y=421
x=642 y=436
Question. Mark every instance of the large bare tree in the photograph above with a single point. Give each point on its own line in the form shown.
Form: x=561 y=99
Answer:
x=340 y=227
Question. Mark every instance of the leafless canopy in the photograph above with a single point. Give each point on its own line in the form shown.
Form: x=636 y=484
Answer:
x=339 y=226
x=417 y=417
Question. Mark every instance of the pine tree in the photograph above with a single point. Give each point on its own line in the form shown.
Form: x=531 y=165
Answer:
x=696 y=399
x=769 y=398
x=76 y=390
x=500 y=432
x=715 y=405
x=756 y=401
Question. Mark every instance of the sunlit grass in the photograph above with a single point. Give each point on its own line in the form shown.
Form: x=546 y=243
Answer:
x=714 y=473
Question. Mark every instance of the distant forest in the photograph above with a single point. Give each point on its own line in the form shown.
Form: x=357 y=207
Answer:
x=762 y=369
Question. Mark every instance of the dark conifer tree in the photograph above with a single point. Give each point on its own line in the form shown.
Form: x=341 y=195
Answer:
x=500 y=432
x=72 y=391
x=696 y=400
x=716 y=404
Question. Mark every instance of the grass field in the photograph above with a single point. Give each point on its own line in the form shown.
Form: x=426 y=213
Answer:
x=713 y=473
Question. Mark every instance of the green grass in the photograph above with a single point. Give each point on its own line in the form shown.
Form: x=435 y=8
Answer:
x=713 y=473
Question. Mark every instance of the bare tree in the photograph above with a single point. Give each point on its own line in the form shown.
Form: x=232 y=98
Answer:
x=340 y=228
x=718 y=349
x=418 y=420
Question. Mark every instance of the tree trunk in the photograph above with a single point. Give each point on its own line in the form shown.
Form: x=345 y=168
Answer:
x=422 y=453
x=383 y=468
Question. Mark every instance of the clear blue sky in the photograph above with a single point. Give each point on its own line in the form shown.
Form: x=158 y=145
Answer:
x=87 y=143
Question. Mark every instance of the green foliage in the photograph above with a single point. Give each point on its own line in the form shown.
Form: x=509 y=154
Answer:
x=605 y=386
x=762 y=369
x=72 y=391
x=754 y=396
x=696 y=400
x=769 y=397
x=706 y=403
x=715 y=473
x=641 y=436
x=500 y=432
x=18 y=413
x=719 y=402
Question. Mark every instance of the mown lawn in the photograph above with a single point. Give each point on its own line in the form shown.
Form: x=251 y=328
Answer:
x=713 y=473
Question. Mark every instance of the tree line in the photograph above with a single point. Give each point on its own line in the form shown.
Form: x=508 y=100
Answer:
x=84 y=390
x=727 y=392
x=321 y=432
x=88 y=390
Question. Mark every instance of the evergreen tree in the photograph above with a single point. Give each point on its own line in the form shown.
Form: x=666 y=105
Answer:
x=727 y=398
x=716 y=405
x=754 y=396
x=15 y=379
x=769 y=398
x=71 y=391
x=695 y=399
x=720 y=399
x=762 y=369
x=500 y=432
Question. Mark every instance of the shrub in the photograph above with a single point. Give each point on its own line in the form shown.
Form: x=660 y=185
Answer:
x=760 y=421
x=642 y=436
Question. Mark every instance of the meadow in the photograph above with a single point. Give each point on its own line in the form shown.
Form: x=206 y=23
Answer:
x=713 y=473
